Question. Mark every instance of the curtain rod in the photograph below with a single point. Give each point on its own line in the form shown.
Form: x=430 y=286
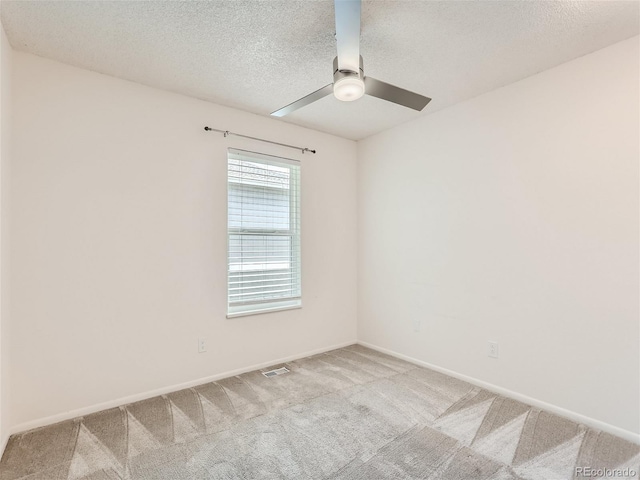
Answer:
x=227 y=133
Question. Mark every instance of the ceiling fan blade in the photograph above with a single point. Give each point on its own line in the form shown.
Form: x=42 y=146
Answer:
x=391 y=93
x=348 y=34
x=312 y=97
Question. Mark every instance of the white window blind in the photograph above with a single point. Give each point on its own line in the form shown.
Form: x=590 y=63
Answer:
x=264 y=233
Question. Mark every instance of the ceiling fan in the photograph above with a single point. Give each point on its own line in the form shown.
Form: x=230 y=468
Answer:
x=349 y=81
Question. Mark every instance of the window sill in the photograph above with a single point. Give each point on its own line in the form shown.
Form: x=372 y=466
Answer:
x=263 y=310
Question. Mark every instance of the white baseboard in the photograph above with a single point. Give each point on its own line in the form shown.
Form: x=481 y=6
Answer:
x=3 y=444
x=576 y=417
x=60 y=417
x=563 y=412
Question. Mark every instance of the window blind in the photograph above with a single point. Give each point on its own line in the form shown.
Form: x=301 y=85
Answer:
x=263 y=233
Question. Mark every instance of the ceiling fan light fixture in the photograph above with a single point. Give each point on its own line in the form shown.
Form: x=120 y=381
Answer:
x=348 y=88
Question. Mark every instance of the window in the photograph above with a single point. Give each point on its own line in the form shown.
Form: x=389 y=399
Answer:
x=264 y=233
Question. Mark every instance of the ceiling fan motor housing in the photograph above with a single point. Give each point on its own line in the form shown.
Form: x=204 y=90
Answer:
x=347 y=84
x=340 y=74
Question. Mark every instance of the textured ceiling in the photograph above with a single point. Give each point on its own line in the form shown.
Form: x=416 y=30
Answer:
x=261 y=55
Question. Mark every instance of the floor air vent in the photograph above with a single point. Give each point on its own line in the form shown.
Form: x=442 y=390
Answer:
x=277 y=371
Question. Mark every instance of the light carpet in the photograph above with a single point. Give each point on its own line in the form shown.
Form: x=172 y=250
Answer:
x=350 y=414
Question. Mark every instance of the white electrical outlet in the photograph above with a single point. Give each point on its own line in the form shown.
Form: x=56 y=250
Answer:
x=417 y=325
x=493 y=349
x=202 y=345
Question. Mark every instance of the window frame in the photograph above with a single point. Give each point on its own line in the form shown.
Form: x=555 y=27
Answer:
x=294 y=232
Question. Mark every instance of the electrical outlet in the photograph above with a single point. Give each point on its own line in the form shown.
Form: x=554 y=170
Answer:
x=493 y=349
x=417 y=325
x=202 y=345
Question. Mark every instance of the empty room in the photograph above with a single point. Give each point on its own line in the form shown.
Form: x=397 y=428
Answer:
x=319 y=239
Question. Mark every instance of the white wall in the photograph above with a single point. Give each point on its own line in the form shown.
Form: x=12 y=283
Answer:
x=119 y=241
x=513 y=217
x=5 y=134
